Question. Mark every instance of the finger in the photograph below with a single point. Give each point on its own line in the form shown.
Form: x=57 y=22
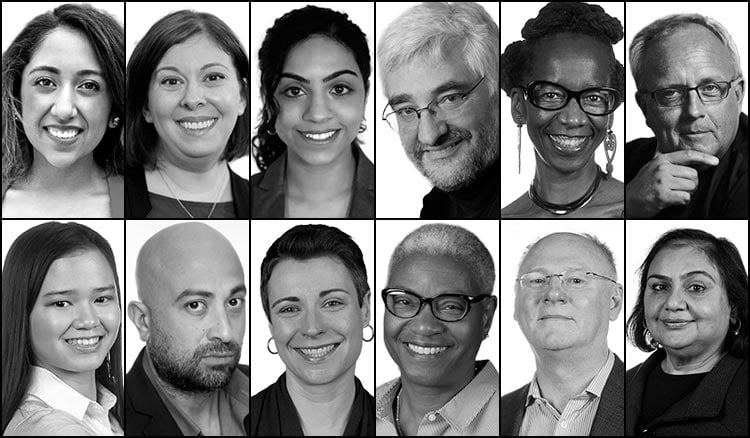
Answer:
x=689 y=157
x=678 y=197
x=683 y=184
x=686 y=172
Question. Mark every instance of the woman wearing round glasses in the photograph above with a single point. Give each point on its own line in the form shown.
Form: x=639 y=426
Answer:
x=565 y=84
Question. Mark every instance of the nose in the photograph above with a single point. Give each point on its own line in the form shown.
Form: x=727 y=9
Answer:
x=64 y=107
x=695 y=106
x=194 y=96
x=430 y=128
x=86 y=318
x=555 y=292
x=675 y=301
x=572 y=114
x=221 y=329
x=311 y=324
x=425 y=323
x=317 y=110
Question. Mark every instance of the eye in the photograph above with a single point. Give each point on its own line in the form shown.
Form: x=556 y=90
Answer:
x=44 y=83
x=697 y=288
x=659 y=287
x=710 y=88
x=594 y=98
x=171 y=82
x=61 y=304
x=288 y=310
x=104 y=299
x=451 y=98
x=293 y=92
x=341 y=90
x=213 y=77
x=236 y=302
x=90 y=86
x=195 y=306
x=333 y=304
x=406 y=112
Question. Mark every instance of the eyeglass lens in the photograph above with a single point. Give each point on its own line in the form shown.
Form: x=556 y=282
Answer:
x=444 y=307
x=569 y=280
x=712 y=92
x=597 y=101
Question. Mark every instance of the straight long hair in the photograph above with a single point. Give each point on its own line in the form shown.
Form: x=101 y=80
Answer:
x=24 y=271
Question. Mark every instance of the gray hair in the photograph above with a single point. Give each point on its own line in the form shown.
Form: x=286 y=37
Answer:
x=425 y=30
x=451 y=241
x=609 y=257
x=666 y=26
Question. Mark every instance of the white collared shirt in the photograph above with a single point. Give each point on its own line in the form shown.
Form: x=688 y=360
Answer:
x=51 y=406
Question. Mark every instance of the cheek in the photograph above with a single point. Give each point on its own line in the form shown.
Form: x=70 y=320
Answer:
x=226 y=100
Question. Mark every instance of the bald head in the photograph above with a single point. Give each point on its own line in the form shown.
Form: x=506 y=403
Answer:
x=184 y=256
x=572 y=251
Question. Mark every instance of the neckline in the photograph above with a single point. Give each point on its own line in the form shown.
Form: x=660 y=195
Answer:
x=563 y=209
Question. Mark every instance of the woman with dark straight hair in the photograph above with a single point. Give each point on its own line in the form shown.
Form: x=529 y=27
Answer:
x=61 y=344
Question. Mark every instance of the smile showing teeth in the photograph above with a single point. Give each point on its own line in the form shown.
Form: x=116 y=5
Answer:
x=197 y=125
x=63 y=134
x=425 y=350
x=86 y=342
x=319 y=136
x=566 y=142
x=317 y=352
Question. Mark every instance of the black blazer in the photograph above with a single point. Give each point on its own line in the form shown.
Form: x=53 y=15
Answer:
x=145 y=413
x=610 y=415
x=717 y=406
x=137 y=204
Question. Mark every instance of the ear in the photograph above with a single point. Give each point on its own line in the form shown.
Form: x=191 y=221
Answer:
x=243 y=100
x=615 y=303
x=147 y=113
x=140 y=314
x=489 y=312
x=518 y=106
x=640 y=99
x=740 y=91
x=366 y=309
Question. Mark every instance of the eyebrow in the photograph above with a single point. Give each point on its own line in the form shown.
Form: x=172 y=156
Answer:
x=445 y=86
x=330 y=77
x=205 y=67
x=66 y=292
x=683 y=276
x=207 y=294
x=55 y=70
x=321 y=294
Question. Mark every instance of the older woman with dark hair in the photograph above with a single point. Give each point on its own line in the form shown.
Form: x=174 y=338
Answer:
x=692 y=312
x=315 y=79
x=63 y=99
x=187 y=96
x=565 y=84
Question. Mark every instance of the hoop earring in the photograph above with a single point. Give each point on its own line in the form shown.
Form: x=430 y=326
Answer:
x=268 y=346
x=519 y=148
x=372 y=335
x=270 y=133
x=610 y=145
x=362 y=127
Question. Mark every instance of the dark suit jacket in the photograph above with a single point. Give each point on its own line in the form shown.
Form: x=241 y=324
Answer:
x=145 y=413
x=717 y=406
x=610 y=415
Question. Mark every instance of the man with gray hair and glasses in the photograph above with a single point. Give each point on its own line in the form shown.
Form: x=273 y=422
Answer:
x=690 y=90
x=439 y=68
x=566 y=295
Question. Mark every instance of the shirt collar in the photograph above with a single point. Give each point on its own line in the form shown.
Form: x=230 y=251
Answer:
x=595 y=387
x=59 y=395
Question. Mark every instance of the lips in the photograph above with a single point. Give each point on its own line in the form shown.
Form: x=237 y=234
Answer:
x=425 y=350
x=567 y=143
x=317 y=352
x=197 y=124
x=90 y=341
x=676 y=323
x=545 y=317
x=63 y=133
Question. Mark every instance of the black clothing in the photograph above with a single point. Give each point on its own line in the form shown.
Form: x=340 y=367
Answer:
x=662 y=391
x=480 y=200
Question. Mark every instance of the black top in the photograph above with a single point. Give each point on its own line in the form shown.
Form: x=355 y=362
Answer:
x=272 y=412
x=480 y=200
x=662 y=391
x=722 y=190
x=138 y=203
x=164 y=206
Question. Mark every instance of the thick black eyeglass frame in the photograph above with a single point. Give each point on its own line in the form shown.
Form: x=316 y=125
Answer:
x=572 y=94
x=469 y=300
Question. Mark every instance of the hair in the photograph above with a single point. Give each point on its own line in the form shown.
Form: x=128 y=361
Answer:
x=106 y=37
x=609 y=257
x=553 y=19
x=428 y=29
x=287 y=32
x=305 y=242
x=725 y=257
x=663 y=28
x=26 y=265
x=172 y=29
x=452 y=241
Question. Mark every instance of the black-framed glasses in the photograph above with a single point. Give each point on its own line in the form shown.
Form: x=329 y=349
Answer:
x=675 y=96
x=406 y=118
x=570 y=280
x=597 y=101
x=446 y=307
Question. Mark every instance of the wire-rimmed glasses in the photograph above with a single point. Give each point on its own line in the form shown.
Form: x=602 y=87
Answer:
x=675 y=96
x=446 y=307
x=407 y=117
x=570 y=280
x=597 y=101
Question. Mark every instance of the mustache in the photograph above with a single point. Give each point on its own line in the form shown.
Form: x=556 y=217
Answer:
x=218 y=347
x=454 y=135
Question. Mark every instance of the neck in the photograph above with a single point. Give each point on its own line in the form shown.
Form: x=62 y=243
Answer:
x=676 y=362
x=563 y=375
x=319 y=182
x=83 y=382
x=563 y=188
x=417 y=400
x=196 y=180
x=80 y=176
x=323 y=409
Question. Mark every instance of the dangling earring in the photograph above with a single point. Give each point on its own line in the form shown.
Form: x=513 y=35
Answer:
x=109 y=371
x=519 y=148
x=362 y=127
x=372 y=335
x=737 y=330
x=268 y=346
x=610 y=147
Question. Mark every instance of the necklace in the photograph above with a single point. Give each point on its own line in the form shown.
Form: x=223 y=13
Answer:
x=562 y=209
x=398 y=413
x=213 y=207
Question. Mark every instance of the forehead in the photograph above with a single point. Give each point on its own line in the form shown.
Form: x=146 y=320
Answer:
x=79 y=270
x=572 y=60
x=194 y=53
x=56 y=48
x=318 y=56
x=682 y=258
x=431 y=275
x=304 y=277
x=563 y=252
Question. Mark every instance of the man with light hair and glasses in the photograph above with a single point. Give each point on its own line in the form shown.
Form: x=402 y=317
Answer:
x=439 y=309
x=439 y=68
x=690 y=88
x=566 y=294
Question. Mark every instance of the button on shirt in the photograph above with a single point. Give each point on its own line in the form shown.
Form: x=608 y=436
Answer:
x=473 y=411
x=542 y=418
x=51 y=405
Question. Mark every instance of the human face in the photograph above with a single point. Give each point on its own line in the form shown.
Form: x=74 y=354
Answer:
x=194 y=100
x=316 y=320
x=562 y=320
x=453 y=151
x=690 y=57
x=565 y=140
x=453 y=345
x=76 y=317
x=321 y=97
x=685 y=302
x=65 y=101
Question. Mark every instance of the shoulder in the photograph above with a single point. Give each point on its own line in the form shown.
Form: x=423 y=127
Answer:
x=36 y=418
x=514 y=398
x=521 y=207
x=637 y=153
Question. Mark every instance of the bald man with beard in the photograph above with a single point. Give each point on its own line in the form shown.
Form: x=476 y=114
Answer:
x=191 y=315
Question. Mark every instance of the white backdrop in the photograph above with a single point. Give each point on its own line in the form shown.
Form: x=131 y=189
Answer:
x=139 y=231
x=266 y=367
x=390 y=233
x=513 y=184
x=518 y=365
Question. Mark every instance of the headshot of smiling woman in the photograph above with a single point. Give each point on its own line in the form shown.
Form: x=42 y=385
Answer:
x=187 y=119
x=63 y=94
x=314 y=83
x=564 y=84
x=61 y=343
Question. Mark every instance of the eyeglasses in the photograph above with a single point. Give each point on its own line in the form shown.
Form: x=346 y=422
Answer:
x=597 y=101
x=570 y=280
x=407 y=118
x=447 y=307
x=675 y=96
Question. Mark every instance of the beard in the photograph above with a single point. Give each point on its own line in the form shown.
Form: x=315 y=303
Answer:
x=465 y=168
x=185 y=371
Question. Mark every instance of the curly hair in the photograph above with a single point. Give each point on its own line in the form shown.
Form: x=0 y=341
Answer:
x=555 y=18
x=291 y=29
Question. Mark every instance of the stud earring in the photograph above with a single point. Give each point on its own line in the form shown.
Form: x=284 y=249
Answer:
x=362 y=127
x=115 y=121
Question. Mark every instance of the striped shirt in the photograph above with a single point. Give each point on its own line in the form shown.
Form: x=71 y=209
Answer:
x=542 y=418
